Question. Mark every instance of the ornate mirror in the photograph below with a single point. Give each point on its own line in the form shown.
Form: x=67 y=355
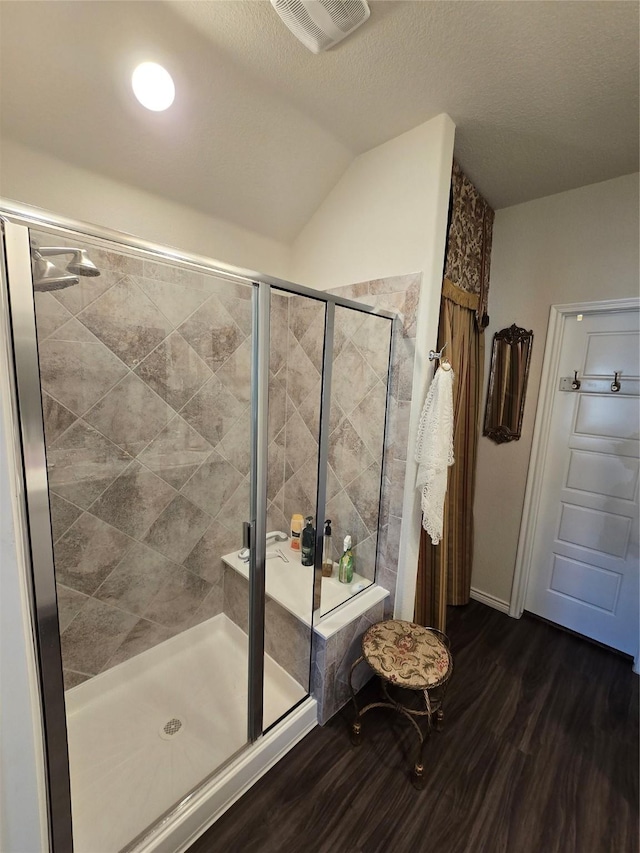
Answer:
x=510 y=359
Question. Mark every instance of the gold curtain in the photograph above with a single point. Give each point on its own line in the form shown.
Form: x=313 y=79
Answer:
x=444 y=570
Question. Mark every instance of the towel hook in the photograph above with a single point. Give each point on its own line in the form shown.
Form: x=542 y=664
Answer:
x=433 y=354
x=615 y=385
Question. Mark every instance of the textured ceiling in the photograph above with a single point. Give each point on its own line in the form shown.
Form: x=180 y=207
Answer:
x=544 y=96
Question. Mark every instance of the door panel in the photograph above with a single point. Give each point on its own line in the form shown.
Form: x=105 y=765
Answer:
x=584 y=572
x=594 y=529
x=585 y=583
x=607 y=349
x=606 y=416
x=602 y=474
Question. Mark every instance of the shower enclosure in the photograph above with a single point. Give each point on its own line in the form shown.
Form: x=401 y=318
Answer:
x=171 y=411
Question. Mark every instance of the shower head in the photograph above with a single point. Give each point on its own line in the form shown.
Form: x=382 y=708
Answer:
x=47 y=276
x=81 y=264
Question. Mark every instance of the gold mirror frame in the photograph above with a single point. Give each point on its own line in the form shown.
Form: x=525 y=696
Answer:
x=510 y=358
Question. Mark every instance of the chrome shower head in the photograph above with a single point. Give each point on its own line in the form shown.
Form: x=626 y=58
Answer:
x=47 y=276
x=81 y=264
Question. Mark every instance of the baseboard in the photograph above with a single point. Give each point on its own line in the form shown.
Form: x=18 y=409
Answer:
x=490 y=600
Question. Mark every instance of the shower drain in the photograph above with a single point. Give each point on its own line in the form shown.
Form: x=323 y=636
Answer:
x=171 y=728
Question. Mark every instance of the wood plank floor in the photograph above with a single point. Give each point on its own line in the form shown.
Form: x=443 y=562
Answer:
x=539 y=754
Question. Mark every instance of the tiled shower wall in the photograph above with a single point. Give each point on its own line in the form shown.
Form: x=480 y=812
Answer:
x=356 y=441
x=295 y=393
x=401 y=295
x=333 y=657
x=357 y=419
x=147 y=432
x=286 y=639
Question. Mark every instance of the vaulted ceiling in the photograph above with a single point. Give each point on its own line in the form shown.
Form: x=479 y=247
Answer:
x=544 y=96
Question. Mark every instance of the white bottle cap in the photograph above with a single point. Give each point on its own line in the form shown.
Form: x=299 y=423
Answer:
x=347 y=543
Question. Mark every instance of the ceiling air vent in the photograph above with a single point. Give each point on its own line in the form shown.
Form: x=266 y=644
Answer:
x=321 y=24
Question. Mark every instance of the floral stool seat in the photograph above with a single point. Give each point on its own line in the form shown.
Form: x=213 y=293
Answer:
x=406 y=655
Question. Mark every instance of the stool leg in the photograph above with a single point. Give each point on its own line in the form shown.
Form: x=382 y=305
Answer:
x=439 y=715
x=418 y=777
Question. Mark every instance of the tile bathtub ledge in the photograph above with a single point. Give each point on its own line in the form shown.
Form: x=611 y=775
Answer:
x=351 y=610
x=291 y=585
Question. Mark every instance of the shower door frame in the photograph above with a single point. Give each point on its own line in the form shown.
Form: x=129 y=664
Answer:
x=17 y=310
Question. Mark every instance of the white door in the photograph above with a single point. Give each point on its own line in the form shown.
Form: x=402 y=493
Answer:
x=584 y=569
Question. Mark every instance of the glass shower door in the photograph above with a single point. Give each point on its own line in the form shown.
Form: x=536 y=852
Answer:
x=358 y=408
x=145 y=372
x=295 y=384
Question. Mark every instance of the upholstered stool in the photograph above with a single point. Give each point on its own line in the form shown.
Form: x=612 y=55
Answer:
x=408 y=656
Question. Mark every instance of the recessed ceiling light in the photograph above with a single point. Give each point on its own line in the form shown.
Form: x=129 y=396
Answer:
x=153 y=86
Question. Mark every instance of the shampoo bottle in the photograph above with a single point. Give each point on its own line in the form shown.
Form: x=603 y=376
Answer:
x=308 y=542
x=327 y=556
x=345 y=570
x=296 y=529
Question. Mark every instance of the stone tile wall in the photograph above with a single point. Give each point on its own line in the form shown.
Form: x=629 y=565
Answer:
x=399 y=294
x=286 y=639
x=147 y=431
x=277 y=469
x=332 y=661
x=333 y=658
x=356 y=442
x=357 y=419
x=295 y=448
x=146 y=381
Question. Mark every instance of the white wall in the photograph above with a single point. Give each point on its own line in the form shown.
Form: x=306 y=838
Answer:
x=576 y=246
x=383 y=215
x=34 y=178
x=387 y=216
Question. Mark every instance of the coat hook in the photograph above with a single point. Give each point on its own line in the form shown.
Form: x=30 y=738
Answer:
x=615 y=385
x=576 y=382
x=434 y=354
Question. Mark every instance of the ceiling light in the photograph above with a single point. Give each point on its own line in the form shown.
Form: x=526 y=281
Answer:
x=153 y=86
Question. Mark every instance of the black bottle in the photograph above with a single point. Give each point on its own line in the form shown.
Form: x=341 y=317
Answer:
x=308 y=542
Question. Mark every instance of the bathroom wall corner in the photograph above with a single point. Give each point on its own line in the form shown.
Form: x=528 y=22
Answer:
x=426 y=333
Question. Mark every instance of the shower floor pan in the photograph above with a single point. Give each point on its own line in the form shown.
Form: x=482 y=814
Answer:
x=146 y=732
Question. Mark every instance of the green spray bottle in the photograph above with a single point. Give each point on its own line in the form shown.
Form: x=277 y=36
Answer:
x=345 y=569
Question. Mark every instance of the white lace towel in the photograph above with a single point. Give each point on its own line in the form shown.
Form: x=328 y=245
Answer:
x=434 y=450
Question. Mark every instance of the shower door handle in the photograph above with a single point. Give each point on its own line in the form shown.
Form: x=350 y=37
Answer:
x=247 y=538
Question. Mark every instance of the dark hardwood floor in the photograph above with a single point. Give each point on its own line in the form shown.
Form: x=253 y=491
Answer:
x=539 y=754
